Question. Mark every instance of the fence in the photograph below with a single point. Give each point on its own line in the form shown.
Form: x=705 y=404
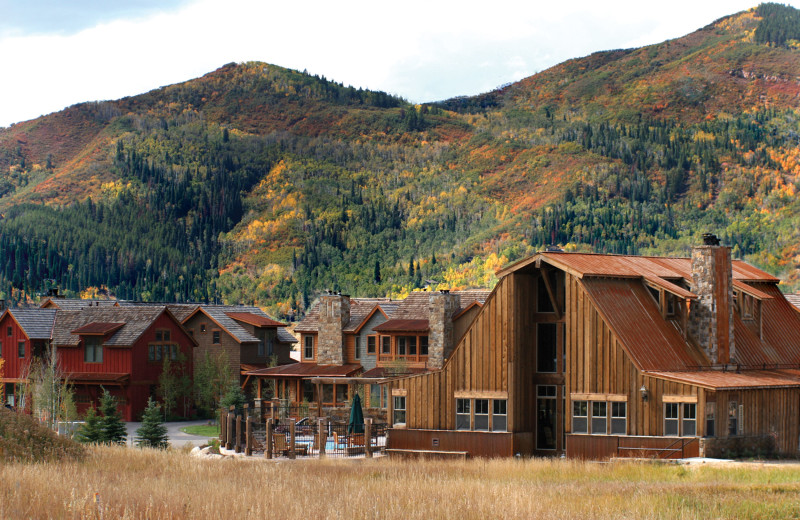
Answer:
x=306 y=437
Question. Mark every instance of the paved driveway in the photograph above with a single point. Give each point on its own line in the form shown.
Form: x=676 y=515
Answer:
x=176 y=437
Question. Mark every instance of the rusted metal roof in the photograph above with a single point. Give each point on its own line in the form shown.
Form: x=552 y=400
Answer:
x=719 y=380
x=780 y=324
x=255 y=319
x=97 y=328
x=307 y=370
x=403 y=326
x=630 y=311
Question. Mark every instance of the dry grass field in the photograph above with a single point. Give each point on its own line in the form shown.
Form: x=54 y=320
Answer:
x=133 y=483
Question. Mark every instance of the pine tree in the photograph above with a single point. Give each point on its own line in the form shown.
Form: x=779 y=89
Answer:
x=233 y=397
x=377 y=272
x=152 y=433
x=112 y=429
x=90 y=431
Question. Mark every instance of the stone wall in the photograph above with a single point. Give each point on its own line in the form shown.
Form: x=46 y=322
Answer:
x=334 y=314
x=441 y=308
x=756 y=446
x=711 y=316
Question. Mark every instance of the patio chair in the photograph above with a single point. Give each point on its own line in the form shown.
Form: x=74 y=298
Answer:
x=282 y=447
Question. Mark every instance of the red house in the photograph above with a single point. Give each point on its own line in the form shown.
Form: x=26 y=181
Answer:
x=24 y=334
x=121 y=349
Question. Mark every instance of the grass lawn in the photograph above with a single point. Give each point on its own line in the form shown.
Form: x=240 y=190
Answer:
x=202 y=430
x=119 y=482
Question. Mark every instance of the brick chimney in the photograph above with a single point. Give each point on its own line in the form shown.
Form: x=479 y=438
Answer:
x=711 y=316
x=334 y=314
x=442 y=306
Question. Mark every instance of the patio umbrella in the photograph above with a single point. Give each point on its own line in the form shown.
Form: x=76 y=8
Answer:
x=356 y=422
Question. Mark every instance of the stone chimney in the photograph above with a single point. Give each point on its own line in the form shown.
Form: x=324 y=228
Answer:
x=711 y=316
x=334 y=314
x=442 y=307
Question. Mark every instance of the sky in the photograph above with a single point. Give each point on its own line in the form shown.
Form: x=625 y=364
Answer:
x=56 y=53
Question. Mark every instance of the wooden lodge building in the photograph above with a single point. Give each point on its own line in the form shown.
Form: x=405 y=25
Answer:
x=346 y=343
x=597 y=356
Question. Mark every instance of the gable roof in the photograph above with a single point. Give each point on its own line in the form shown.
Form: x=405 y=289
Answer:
x=97 y=328
x=35 y=323
x=360 y=309
x=227 y=317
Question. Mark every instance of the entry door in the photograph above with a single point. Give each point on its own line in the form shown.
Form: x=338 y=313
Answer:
x=546 y=418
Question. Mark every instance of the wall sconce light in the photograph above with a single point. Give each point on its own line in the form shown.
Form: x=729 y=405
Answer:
x=644 y=392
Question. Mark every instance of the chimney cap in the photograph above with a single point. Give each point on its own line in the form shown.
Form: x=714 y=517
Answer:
x=710 y=239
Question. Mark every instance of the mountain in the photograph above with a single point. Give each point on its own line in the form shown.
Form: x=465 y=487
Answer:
x=265 y=185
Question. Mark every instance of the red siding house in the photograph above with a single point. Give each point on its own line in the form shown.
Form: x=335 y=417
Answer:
x=118 y=349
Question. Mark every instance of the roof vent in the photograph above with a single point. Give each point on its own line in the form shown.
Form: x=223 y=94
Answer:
x=553 y=249
x=710 y=239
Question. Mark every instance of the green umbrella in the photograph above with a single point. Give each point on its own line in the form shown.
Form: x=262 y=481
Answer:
x=356 y=422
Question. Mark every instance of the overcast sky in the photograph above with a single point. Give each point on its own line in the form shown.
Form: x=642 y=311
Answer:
x=55 y=53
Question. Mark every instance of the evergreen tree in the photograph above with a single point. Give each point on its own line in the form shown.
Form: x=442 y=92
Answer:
x=376 y=275
x=233 y=397
x=112 y=429
x=152 y=433
x=90 y=431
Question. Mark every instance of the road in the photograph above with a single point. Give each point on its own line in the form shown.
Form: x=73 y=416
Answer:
x=176 y=437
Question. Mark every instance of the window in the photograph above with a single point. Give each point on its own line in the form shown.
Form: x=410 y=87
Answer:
x=327 y=394
x=375 y=396
x=463 y=414
x=154 y=352
x=580 y=413
x=9 y=331
x=93 y=350
x=371 y=341
x=270 y=343
x=308 y=391
x=671 y=415
x=401 y=346
x=423 y=345
x=412 y=345
x=711 y=413
x=203 y=327
x=670 y=305
x=546 y=349
x=262 y=351
x=341 y=394
x=619 y=418
x=386 y=345
x=21 y=349
x=308 y=348
x=546 y=417
x=689 y=421
x=543 y=303
x=481 y=418
x=215 y=335
x=499 y=415
x=599 y=417
x=358 y=347
x=399 y=413
x=733 y=418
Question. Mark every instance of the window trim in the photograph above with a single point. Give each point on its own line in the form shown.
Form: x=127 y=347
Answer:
x=216 y=337
x=372 y=338
x=396 y=399
x=308 y=343
x=21 y=347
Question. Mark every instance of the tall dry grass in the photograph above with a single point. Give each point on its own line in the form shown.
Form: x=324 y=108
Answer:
x=134 y=483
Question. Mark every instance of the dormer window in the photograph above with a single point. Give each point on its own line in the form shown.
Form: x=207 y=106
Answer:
x=93 y=349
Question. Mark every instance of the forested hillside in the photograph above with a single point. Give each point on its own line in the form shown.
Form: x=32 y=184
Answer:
x=264 y=185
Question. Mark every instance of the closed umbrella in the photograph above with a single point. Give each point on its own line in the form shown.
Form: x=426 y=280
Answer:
x=356 y=422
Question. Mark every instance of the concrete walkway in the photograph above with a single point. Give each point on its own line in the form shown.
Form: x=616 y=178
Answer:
x=176 y=437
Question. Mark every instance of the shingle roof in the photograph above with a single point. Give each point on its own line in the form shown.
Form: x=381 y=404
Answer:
x=36 y=323
x=794 y=299
x=360 y=308
x=136 y=320
x=470 y=296
x=222 y=316
x=179 y=310
x=413 y=307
